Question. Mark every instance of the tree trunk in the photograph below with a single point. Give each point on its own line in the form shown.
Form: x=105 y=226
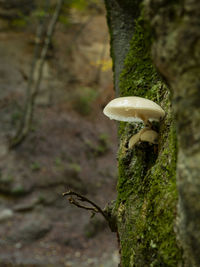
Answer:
x=176 y=53
x=150 y=231
x=121 y=26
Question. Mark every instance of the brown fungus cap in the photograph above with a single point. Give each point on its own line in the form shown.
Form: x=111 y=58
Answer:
x=133 y=109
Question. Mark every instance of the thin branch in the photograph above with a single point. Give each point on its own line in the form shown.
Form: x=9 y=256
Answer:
x=76 y=203
x=31 y=94
x=95 y=208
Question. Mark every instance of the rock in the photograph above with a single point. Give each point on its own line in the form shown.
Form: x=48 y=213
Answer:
x=6 y=214
x=34 y=227
x=3 y=149
x=95 y=226
x=24 y=207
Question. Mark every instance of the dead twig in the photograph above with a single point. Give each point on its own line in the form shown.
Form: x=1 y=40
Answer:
x=94 y=207
x=108 y=214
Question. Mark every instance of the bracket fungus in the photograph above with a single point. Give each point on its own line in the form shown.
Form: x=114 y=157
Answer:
x=136 y=109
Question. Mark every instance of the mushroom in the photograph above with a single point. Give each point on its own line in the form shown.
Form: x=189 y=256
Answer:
x=144 y=135
x=134 y=140
x=136 y=109
x=149 y=136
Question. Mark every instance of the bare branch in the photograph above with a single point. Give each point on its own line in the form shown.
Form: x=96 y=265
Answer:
x=76 y=203
x=81 y=198
x=107 y=213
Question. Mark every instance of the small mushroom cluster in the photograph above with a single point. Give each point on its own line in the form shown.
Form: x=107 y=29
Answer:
x=136 y=109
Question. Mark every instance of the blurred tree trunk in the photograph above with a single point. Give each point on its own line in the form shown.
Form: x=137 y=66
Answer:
x=152 y=230
x=176 y=53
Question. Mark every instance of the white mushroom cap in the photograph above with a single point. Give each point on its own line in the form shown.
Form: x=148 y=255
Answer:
x=133 y=109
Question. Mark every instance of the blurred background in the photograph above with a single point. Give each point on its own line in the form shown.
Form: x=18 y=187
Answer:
x=64 y=82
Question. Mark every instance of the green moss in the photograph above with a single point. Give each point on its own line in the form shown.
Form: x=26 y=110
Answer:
x=156 y=209
x=139 y=76
x=147 y=195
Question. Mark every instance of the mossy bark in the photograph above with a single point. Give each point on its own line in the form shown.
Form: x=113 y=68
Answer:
x=147 y=194
x=121 y=26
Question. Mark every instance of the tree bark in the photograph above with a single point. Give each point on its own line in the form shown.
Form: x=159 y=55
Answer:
x=121 y=26
x=176 y=53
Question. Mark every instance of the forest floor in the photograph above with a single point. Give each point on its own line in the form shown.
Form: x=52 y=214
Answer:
x=72 y=145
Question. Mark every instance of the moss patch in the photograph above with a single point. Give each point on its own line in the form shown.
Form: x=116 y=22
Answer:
x=139 y=76
x=147 y=194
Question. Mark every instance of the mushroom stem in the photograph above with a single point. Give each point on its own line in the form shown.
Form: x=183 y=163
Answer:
x=148 y=124
x=137 y=137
